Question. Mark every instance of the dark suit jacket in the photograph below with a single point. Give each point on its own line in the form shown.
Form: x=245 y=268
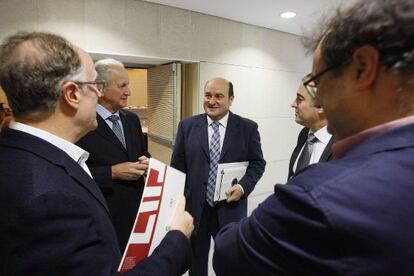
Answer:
x=302 y=137
x=348 y=216
x=191 y=155
x=105 y=150
x=55 y=220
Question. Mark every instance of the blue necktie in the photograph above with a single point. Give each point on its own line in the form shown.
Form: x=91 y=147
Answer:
x=306 y=154
x=214 y=159
x=116 y=128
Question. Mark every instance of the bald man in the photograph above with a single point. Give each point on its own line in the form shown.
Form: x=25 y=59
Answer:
x=203 y=141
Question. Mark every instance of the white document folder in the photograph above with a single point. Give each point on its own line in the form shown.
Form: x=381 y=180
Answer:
x=228 y=174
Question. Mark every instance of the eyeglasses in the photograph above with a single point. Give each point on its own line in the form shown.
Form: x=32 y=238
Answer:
x=99 y=84
x=310 y=82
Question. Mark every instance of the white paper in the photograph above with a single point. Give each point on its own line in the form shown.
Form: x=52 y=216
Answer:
x=163 y=186
x=227 y=174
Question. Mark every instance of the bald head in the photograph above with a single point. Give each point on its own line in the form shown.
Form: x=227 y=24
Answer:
x=224 y=82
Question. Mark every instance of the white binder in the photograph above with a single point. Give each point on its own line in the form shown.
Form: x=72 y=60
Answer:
x=228 y=174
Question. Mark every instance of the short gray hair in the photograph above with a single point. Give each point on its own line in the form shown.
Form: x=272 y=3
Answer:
x=103 y=68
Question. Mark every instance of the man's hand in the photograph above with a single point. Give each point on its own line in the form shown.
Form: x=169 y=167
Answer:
x=143 y=160
x=234 y=193
x=182 y=220
x=130 y=170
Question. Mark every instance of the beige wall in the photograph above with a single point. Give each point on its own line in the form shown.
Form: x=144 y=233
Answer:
x=264 y=65
x=190 y=89
x=138 y=87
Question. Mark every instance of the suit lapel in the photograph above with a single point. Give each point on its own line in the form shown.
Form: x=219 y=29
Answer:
x=303 y=134
x=232 y=134
x=128 y=132
x=106 y=132
x=203 y=135
x=327 y=152
x=86 y=181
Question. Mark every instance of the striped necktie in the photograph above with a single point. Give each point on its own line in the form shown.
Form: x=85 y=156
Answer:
x=306 y=154
x=116 y=128
x=214 y=159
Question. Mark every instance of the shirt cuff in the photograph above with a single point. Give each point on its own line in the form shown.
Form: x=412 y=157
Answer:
x=241 y=187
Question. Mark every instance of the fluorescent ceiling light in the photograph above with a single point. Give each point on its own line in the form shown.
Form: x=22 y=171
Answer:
x=288 y=15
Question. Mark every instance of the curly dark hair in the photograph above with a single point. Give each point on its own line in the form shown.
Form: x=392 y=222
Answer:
x=33 y=67
x=387 y=25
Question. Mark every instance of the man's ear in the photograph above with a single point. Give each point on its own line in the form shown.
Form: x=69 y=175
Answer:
x=71 y=94
x=316 y=104
x=366 y=63
x=320 y=110
x=231 y=100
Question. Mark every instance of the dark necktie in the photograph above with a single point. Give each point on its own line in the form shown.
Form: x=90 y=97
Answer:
x=116 y=128
x=305 y=156
x=214 y=159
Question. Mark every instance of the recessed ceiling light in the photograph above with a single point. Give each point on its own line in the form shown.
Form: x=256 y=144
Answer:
x=288 y=15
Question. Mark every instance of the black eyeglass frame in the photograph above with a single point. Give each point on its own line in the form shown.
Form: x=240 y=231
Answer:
x=308 y=81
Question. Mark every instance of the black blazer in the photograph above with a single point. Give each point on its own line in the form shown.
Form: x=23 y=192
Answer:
x=55 y=220
x=105 y=150
x=303 y=135
x=191 y=155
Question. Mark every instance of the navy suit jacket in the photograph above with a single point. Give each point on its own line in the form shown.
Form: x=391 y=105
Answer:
x=55 y=220
x=302 y=137
x=123 y=197
x=191 y=156
x=349 y=216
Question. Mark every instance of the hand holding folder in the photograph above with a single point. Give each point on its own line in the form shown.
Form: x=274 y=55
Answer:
x=228 y=174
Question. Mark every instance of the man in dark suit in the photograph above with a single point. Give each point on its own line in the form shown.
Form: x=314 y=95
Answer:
x=118 y=153
x=55 y=220
x=352 y=215
x=314 y=141
x=195 y=149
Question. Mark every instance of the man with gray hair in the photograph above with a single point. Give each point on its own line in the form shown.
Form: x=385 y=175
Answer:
x=55 y=220
x=118 y=153
x=314 y=141
x=352 y=215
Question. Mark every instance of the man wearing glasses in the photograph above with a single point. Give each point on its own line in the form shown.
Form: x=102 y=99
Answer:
x=118 y=154
x=55 y=220
x=354 y=214
x=314 y=141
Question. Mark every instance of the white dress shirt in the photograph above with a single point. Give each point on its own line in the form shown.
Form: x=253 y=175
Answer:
x=76 y=153
x=222 y=129
x=318 y=147
x=105 y=113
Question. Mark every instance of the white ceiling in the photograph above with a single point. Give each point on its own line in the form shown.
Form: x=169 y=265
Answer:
x=264 y=13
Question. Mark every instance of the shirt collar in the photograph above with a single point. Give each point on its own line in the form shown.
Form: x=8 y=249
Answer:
x=76 y=153
x=323 y=135
x=223 y=121
x=340 y=148
x=103 y=112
